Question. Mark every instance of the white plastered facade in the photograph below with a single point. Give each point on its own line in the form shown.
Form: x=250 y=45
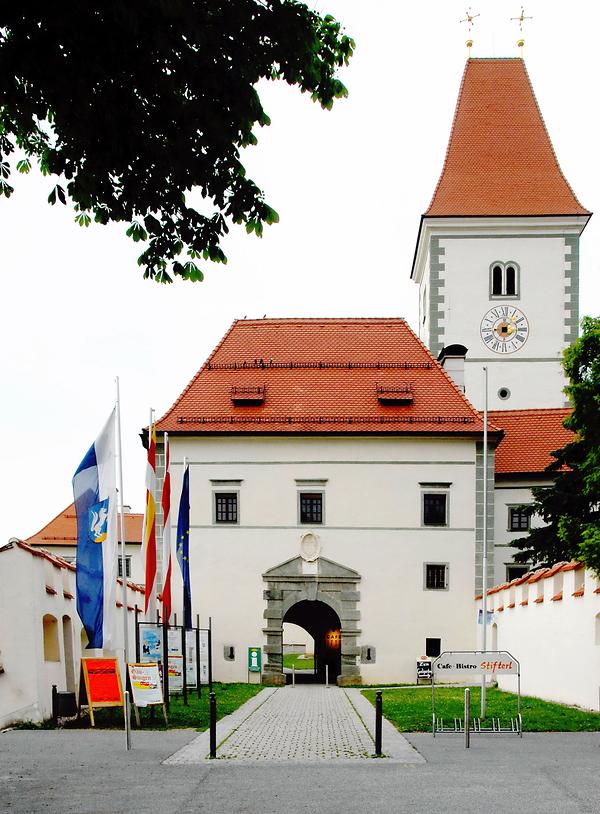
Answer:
x=452 y=268
x=373 y=490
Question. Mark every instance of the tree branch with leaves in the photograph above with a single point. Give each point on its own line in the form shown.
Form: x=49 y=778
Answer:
x=132 y=106
x=570 y=508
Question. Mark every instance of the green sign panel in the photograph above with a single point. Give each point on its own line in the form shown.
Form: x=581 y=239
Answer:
x=254 y=659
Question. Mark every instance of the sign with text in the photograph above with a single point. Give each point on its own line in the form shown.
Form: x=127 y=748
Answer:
x=254 y=659
x=145 y=684
x=491 y=662
x=100 y=684
x=423 y=669
x=175 y=673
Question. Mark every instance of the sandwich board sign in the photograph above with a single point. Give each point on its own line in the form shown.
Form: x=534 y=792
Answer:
x=146 y=687
x=100 y=684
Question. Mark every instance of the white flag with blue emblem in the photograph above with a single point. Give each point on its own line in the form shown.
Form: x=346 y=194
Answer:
x=94 y=488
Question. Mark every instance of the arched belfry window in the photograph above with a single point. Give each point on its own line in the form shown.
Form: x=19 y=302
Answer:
x=504 y=279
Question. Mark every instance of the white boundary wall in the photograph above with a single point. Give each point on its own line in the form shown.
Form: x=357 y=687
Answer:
x=550 y=621
x=35 y=584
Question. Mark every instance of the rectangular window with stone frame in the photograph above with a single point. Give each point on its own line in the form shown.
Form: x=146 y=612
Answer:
x=519 y=518
x=435 y=508
x=226 y=509
x=311 y=508
x=435 y=576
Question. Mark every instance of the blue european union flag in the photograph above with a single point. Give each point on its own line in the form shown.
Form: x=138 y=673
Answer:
x=183 y=546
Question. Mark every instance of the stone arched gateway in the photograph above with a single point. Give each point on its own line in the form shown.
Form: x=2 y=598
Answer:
x=323 y=580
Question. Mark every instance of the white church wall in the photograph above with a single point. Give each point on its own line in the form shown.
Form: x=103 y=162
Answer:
x=464 y=251
x=373 y=525
x=541 y=262
x=557 y=642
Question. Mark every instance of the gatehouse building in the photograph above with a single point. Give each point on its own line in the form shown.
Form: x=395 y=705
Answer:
x=336 y=465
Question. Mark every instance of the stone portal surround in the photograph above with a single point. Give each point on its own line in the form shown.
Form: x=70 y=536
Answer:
x=333 y=584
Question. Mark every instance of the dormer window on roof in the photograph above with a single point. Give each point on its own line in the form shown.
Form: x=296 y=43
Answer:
x=248 y=396
x=390 y=396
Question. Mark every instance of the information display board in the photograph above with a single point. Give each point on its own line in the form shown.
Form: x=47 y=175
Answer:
x=254 y=660
x=175 y=673
x=100 y=684
x=150 y=643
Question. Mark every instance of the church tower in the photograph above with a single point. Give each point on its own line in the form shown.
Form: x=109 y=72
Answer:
x=497 y=256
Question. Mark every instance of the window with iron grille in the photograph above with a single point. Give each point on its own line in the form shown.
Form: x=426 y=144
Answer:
x=518 y=518
x=436 y=576
x=311 y=507
x=434 y=509
x=127 y=567
x=226 y=507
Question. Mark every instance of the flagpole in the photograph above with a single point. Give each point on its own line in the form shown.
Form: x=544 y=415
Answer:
x=185 y=465
x=122 y=522
x=485 y=530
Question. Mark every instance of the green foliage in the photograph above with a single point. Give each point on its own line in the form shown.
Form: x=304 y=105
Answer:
x=298 y=661
x=410 y=709
x=571 y=506
x=134 y=105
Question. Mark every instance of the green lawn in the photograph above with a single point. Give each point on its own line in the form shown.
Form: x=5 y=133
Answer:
x=195 y=715
x=299 y=662
x=410 y=710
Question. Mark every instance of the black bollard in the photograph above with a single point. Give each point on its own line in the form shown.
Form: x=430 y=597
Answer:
x=378 y=719
x=54 y=705
x=213 y=725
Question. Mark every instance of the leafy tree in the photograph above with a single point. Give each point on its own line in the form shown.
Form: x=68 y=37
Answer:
x=571 y=506
x=133 y=105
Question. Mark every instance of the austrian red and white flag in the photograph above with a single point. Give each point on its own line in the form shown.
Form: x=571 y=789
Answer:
x=149 y=537
x=166 y=540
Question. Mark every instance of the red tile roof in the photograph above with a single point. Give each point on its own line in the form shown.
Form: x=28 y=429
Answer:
x=62 y=530
x=535 y=576
x=500 y=160
x=529 y=438
x=320 y=376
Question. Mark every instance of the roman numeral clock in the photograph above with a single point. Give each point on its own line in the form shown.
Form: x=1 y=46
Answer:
x=504 y=329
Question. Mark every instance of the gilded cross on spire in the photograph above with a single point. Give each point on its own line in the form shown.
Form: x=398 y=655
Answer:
x=521 y=18
x=469 y=18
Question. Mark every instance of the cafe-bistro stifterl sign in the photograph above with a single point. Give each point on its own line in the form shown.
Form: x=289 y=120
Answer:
x=477 y=663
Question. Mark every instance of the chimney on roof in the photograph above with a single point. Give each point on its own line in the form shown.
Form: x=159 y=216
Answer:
x=452 y=359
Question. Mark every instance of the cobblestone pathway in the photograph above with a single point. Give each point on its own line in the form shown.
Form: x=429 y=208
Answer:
x=301 y=723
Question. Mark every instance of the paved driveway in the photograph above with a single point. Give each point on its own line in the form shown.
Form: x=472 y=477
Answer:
x=302 y=723
x=86 y=772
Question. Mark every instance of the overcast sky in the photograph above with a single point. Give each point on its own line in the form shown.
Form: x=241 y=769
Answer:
x=349 y=185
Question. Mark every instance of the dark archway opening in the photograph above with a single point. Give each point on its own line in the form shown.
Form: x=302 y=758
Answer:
x=323 y=624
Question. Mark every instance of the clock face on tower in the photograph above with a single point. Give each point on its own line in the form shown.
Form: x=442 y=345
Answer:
x=504 y=329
